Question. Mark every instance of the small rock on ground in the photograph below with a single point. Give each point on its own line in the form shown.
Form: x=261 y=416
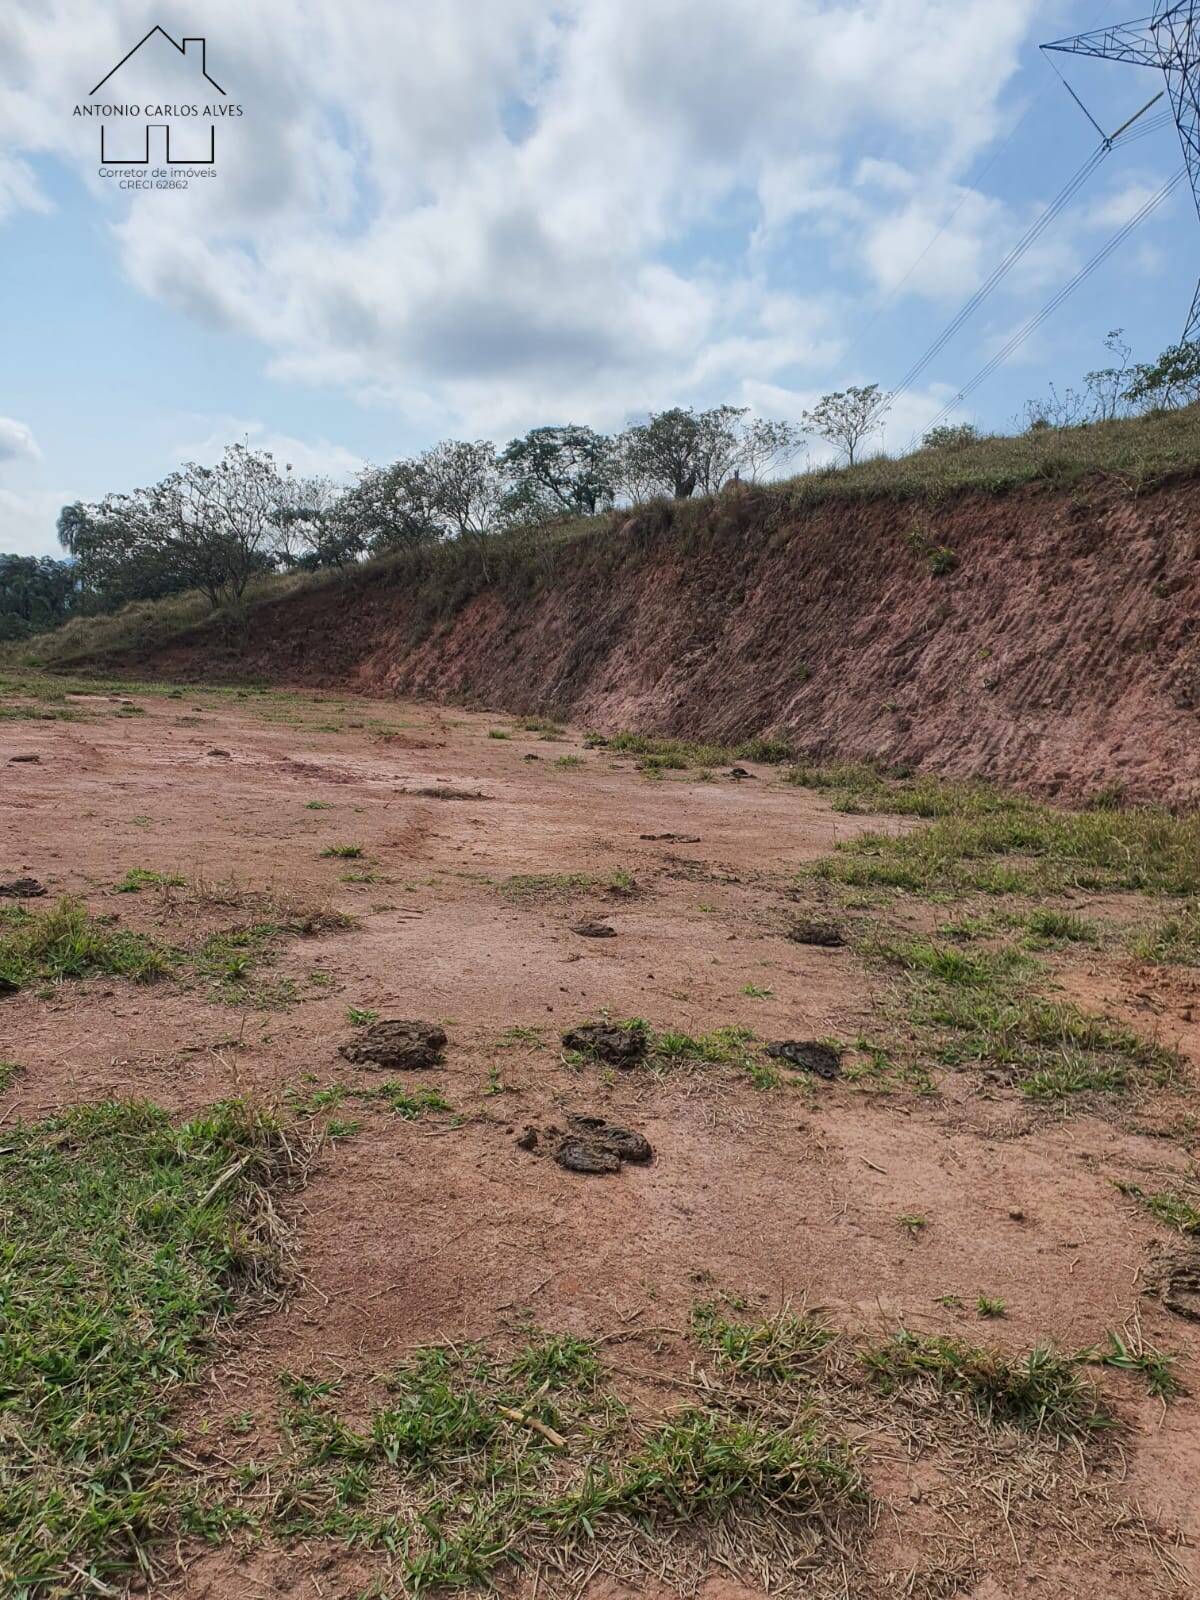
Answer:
x=630 y=1146
x=594 y=930
x=585 y=1155
x=619 y=1047
x=397 y=1043
x=21 y=889
x=810 y=1055
x=823 y=934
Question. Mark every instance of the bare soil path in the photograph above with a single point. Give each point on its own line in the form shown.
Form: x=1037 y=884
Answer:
x=473 y=858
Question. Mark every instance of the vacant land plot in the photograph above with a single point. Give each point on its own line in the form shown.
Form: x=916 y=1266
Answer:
x=847 y=1244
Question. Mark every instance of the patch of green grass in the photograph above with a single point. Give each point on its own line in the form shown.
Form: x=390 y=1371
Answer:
x=498 y=733
x=1029 y=849
x=10 y=1071
x=558 y=1361
x=546 y=885
x=128 y=1238
x=942 y=560
x=139 y=878
x=229 y=959
x=786 y=1345
x=318 y=805
x=360 y=1016
x=66 y=941
x=39 y=713
x=1042 y=1391
x=479 y=1464
x=865 y=788
x=409 y=1106
x=756 y=991
x=661 y=753
x=988 y=1305
x=671 y=1049
x=957 y=969
x=914 y=1223
x=546 y=726
x=569 y=761
x=980 y=1008
x=720 y=1047
x=1127 y=1351
x=1054 y=1050
x=878 y=1070
x=1173 y=940
x=518 y=1034
x=1046 y=927
x=1169 y=1206
x=344 y=852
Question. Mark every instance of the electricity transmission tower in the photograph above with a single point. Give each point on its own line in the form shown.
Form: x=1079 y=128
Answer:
x=1170 y=41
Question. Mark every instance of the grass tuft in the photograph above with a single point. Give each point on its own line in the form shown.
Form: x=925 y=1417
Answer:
x=1029 y=849
x=1177 y=1210
x=1173 y=940
x=478 y=1465
x=980 y=1008
x=128 y=1239
x=1041 y=1391
x=66 y=941
x=787 y=1345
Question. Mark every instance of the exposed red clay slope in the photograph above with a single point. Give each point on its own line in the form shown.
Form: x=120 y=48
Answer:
x=1061 y=654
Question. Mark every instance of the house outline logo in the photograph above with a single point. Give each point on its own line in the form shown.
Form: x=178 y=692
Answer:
x=199 y=133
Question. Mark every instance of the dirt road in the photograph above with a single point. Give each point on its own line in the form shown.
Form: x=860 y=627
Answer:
x=467 y=860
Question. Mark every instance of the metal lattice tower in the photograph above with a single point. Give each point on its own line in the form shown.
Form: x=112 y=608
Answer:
x=1170 y=41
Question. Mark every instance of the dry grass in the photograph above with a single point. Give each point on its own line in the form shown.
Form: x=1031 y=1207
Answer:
x=748 y=1455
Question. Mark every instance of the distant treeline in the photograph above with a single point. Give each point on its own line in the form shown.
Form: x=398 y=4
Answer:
x=213 y=529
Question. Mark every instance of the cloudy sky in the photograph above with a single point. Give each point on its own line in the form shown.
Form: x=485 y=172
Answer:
x=448 y=218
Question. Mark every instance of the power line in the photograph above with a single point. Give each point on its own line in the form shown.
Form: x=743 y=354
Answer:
x=1021 y=247
x=1170 y=41
x=1052 y=305
x=968 y=189
x=999 y=272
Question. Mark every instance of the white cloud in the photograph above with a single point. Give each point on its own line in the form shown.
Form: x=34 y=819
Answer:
x=306 y=457
x=17 y=442
x=19 y=189
x=478 y=213
x=28 y=518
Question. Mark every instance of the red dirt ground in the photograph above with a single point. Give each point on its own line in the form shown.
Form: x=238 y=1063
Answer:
x=1061 y=655
x=414 y=1232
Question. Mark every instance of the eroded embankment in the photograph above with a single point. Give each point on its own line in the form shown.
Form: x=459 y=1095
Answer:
x=1043 y=638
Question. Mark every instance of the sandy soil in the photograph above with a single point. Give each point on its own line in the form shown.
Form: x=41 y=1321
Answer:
x=411 y=1232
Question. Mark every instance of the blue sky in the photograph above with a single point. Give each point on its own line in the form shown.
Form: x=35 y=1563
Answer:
x=447 y=220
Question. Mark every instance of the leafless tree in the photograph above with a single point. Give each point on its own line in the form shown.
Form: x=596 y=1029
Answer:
x=847 y=417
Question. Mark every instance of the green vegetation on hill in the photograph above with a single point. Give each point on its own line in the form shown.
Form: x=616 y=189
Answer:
x=1140 y=452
